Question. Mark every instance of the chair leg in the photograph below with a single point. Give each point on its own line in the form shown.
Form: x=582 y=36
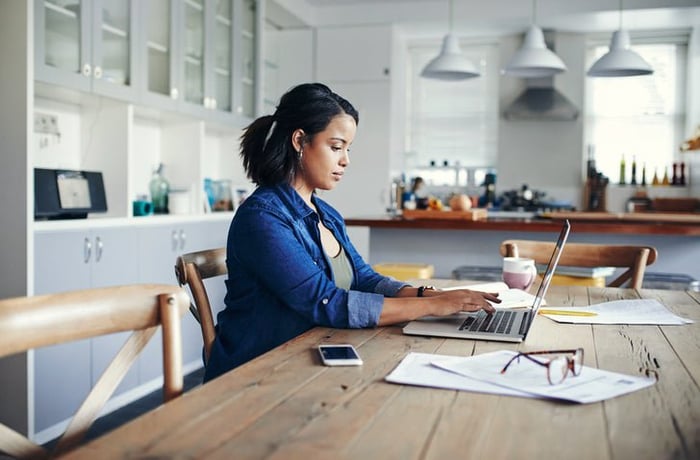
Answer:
x=172 y=348
x=103 y=389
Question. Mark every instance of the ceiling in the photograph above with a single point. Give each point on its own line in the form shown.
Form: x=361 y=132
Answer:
x=488 y=17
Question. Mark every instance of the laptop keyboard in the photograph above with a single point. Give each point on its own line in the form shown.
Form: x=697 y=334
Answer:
x=501 y=322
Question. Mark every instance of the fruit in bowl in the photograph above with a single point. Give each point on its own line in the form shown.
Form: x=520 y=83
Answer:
x=460 y=202
x=435 y=204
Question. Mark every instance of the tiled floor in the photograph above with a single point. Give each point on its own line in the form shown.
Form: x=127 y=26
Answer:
x=133 y=410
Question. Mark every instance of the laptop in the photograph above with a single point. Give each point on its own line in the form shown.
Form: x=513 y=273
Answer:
x=504 y=325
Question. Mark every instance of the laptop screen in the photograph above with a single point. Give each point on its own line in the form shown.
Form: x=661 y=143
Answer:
x=552 y=265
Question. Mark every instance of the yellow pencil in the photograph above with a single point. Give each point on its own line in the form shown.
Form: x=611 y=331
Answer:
x=567 y=312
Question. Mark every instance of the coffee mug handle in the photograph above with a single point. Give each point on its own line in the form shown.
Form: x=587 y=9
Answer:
x=533 y=274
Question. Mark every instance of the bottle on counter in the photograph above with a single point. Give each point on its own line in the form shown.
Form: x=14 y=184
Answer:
x=622 y=170
x=655 y=181
x=681 y=180
x=644 y=175
x=674 y=177
x=160 y=188
x=590 y=164
x=633 y=178
x=665 y=180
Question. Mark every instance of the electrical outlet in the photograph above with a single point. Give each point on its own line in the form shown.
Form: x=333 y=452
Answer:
x=45 y=124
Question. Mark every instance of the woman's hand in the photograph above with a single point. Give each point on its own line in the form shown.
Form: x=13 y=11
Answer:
x=449 y=302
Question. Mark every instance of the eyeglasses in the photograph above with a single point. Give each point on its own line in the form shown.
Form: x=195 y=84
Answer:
x=558 y=367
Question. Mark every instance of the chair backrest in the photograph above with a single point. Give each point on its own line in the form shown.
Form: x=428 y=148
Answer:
x=634 y=258
x=38 y=321
x=192 y=269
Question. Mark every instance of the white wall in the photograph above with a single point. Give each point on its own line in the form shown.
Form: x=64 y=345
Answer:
x=16 y=92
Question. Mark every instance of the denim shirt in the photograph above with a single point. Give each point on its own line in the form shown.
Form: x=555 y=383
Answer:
x=280 y=283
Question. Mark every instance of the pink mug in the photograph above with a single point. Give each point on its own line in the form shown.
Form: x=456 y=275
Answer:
x=519 y=272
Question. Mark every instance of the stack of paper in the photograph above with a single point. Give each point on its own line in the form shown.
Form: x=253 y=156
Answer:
x=633 y=311
x=482 y=374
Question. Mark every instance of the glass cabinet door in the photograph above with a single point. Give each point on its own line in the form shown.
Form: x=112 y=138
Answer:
x=248 y=58
x=158 y=69
x=193 y=46
x=62 y=42
x=86 y=45
x=113 y=46
x=223 y=56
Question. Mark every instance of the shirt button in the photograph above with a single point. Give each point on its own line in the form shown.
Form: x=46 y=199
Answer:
x=324 y=301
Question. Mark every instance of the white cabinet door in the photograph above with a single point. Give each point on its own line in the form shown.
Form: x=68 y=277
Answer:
x=164 y=243
x=61 y=372
x=353 y=54
x=114 y=262
x=69 y=260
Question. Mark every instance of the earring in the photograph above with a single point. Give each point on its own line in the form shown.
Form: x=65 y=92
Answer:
x=301 y=154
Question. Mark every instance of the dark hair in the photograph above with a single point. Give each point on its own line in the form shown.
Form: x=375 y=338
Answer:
x=268 y=155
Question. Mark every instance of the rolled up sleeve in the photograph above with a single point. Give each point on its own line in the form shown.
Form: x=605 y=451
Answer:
x=364 y=308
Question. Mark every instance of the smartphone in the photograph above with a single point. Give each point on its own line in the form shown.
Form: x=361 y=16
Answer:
x=339 y=355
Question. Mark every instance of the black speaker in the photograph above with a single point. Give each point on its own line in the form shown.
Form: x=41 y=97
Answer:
x=66 y=194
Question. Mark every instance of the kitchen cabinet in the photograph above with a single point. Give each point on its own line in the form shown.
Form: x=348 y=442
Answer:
x=87 y=45
x=99 y=255
x=164 y=243
x=362 y=76
x=68 y=260
x=199 y=57
x=354 y=54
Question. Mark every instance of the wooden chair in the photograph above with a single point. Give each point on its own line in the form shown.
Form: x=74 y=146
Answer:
x=634 y=258
x=192 y=269
x=33 y=322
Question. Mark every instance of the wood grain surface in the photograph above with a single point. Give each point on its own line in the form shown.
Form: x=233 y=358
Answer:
x=287 y=405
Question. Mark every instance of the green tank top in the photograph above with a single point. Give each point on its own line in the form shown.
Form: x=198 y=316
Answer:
x=342 y=271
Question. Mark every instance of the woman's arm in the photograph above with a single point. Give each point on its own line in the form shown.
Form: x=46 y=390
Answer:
x=407 y=306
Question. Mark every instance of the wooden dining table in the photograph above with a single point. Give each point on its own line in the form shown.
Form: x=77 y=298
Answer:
x=286 y=405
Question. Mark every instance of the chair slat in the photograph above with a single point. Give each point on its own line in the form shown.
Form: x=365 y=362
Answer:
x=633 y=258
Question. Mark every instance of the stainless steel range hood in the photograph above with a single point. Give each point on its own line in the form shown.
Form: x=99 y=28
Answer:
x=541 y=100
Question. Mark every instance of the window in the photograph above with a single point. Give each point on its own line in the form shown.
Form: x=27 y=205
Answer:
x=452 y=122
x=641 y=118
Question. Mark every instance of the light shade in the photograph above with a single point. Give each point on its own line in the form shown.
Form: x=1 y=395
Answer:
x=620 y=60
x=450 y=64
x=534 y=59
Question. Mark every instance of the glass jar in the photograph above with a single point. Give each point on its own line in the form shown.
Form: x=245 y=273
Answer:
x=223 y=198
x=159 y=188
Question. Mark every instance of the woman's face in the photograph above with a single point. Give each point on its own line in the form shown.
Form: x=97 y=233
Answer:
x=325 y=158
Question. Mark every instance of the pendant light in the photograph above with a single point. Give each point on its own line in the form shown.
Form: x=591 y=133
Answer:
x=620 y=60
x=450 y=64
x=534 y=59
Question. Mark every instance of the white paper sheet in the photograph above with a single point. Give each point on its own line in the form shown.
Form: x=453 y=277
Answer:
x=415 y=369
x=633 y=311
x=510 y=298
x=592 y=385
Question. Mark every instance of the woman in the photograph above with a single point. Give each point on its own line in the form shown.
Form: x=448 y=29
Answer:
x=290 y=264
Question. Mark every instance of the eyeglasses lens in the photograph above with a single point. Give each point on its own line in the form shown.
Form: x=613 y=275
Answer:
x=558 y=368
x=578 y=361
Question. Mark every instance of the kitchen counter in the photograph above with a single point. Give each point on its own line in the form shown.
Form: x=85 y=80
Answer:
x=451 y=243
x=583 y=222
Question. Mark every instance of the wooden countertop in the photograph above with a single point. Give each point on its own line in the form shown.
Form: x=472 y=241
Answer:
x=584 y=222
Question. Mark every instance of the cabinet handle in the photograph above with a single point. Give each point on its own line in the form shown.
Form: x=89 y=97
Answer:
x=98 y=249
x=87 y=70
x=98 y=72
x=183 y=239
x=174 y=93
x=176 y=240
x=87 y=250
